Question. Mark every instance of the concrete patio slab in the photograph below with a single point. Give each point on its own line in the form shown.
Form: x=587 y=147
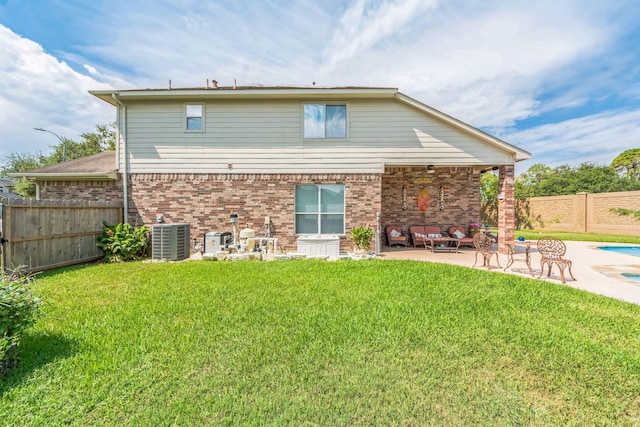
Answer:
x=596 y=270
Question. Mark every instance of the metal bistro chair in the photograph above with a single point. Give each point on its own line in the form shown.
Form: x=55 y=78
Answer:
x=552 y=251
x=483 y=244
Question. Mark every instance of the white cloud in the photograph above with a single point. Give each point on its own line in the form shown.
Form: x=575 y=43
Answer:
x=597 y=138
x=37 y=90
x=490 y=63
x=90 y=69
x=362 y=26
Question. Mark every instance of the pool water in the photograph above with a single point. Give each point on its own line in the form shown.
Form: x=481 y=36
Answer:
x=629 y=250
x=633 y=276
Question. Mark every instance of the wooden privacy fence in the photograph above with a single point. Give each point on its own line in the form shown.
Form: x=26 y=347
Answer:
x=45 y=234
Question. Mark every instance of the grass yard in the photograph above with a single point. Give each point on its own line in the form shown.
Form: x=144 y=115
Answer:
x=570 y=235
x=321 y=343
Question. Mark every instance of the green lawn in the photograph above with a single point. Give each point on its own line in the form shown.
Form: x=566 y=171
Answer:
x=321 y=343
x=583 y=237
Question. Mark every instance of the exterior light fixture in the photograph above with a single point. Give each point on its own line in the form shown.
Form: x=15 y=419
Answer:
x=431 y=169
x=63 y=140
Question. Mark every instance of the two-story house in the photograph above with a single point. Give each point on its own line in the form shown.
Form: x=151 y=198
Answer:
x=314 y=160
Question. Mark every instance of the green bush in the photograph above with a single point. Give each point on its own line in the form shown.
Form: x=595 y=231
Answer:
x=18 y=310
x=123 y=242
x=362 y=236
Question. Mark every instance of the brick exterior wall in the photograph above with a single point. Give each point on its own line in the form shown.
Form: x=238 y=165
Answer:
x=506 y=207
x=205 y=201
x=461 y=196
x=102 y=191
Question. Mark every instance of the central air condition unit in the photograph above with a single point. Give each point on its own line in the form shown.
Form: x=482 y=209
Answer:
x=170 y=241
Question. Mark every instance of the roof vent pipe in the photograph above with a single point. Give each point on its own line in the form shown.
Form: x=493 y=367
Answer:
x=214 y=84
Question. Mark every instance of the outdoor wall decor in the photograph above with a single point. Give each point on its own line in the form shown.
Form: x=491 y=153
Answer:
x=442 y=187
x=404 y=196
x=423 y=202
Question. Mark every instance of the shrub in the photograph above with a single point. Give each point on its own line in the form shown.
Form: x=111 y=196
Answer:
x=123 y=242
x=362 y=236
x=18 y=310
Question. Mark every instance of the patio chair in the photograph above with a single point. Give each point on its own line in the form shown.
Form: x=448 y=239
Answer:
x=395 y=236
x=483 y=244
x=552 y=251
x=458 y=232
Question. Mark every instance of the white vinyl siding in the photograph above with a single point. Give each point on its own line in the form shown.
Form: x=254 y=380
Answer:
x=267 y=137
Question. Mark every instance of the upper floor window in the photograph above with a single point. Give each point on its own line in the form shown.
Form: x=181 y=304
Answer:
x=325 y=121
x=193 y=116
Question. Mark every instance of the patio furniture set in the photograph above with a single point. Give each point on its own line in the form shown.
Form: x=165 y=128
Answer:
x=551 y=250
x=429 y=236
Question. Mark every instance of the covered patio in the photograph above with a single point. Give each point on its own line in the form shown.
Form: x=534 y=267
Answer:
x=444 y=196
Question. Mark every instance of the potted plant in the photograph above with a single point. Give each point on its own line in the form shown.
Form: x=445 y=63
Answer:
x=362 y=237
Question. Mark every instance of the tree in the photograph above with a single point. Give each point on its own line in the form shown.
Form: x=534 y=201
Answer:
x=103 y=139
x=92 y=143
x=16 y=162
x=25 y=188
x=541 y=180
x=627 y=163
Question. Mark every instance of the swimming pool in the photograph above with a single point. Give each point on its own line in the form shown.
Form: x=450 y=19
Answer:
x=629 y=250
x=632 y=276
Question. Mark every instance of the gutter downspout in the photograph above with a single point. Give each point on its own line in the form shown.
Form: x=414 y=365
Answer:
x=122 y=127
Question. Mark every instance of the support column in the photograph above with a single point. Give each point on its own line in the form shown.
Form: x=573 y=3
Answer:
x=506 y=207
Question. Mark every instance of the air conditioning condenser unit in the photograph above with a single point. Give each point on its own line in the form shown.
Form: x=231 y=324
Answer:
x=170 y=241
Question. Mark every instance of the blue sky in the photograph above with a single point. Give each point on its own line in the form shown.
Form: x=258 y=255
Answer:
x=558 y=78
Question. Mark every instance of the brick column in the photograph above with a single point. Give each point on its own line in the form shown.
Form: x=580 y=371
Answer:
x=506 y=207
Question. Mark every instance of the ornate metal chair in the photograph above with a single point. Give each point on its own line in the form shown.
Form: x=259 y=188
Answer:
x=483 y=244
x=552 y=251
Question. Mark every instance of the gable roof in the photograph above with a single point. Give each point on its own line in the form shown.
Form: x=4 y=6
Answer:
x=100 y=166
x=115 y=97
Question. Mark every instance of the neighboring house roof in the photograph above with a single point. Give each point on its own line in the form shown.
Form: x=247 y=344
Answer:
x=115 y=97
x=6 y=184
x=101 y=166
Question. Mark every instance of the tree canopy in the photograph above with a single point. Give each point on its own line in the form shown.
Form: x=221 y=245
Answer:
x=628 y=163
x=539 y=180
x=103 y=139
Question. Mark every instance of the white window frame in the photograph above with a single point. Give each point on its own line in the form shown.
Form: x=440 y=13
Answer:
x=326 y=104
x=319 y=212
x=187 y=116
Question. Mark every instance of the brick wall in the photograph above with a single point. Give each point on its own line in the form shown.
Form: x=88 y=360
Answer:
x=205 y=201
x=102 y=191
x=461 y=203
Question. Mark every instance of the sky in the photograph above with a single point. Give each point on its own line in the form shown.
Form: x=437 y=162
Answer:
x=557 y=78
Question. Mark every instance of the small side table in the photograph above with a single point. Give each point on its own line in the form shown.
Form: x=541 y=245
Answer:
x=511 y=244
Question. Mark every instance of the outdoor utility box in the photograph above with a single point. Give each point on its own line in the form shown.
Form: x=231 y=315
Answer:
x=170 y=241
x=215 y=241
x=319 y=246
